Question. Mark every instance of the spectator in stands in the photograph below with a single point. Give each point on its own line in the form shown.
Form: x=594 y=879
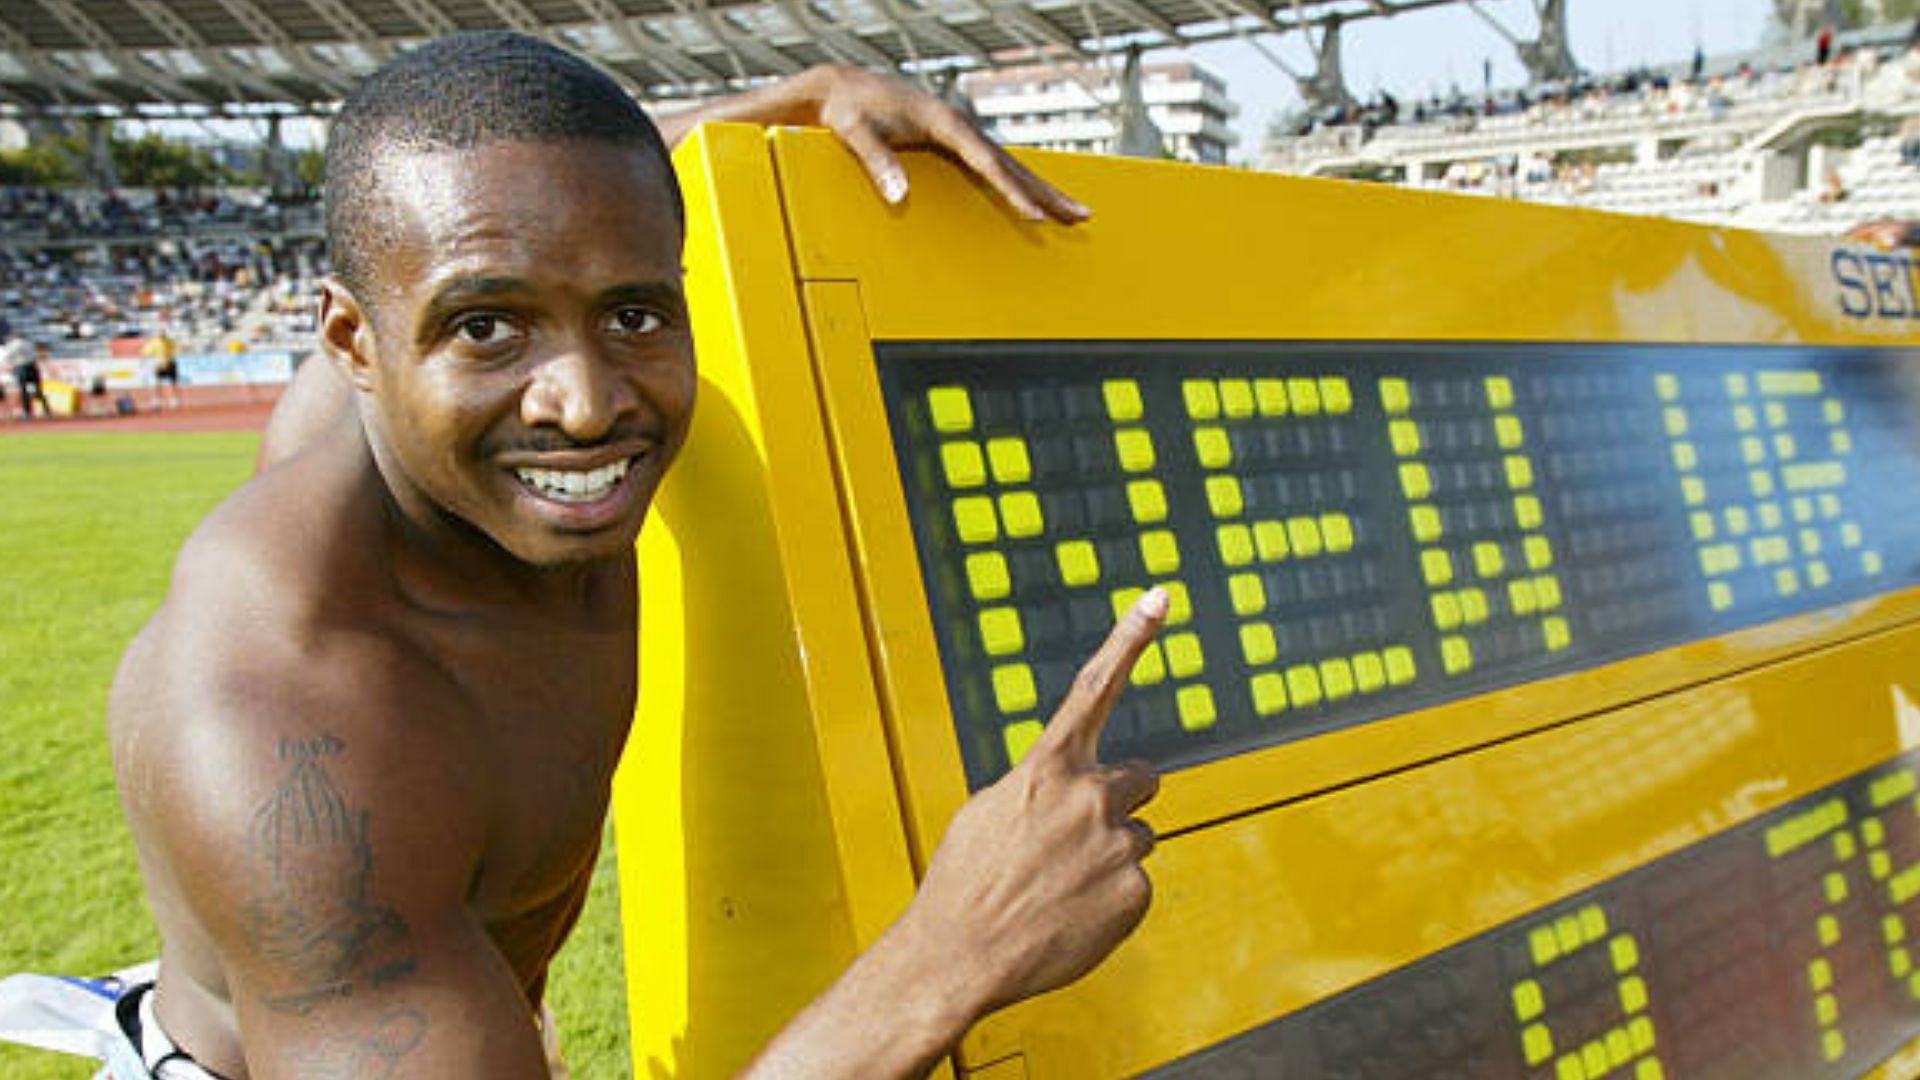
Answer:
x=1823 y=46
x=1887 y=233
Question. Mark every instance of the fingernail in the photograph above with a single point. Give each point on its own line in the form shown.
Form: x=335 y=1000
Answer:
x=1153 y=603
x=1079 y=208
x=893 y=186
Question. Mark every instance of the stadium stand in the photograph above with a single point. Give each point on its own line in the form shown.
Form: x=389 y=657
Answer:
x=1756 y=140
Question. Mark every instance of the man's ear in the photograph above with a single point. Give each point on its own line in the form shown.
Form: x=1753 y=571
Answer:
x=346 y=333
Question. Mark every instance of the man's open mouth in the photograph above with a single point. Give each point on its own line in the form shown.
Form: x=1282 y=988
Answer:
x=575 y=485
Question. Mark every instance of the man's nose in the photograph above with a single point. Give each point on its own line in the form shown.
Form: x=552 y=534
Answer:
x=578 y=391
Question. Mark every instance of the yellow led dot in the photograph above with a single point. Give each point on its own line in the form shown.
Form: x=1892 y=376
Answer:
x=1826 y=1009
x=1369 y=672
x=1151 y=668
x=1535 y=1041
x=1011 y=465
x=1786 y=581
x=1473 y=606
x=1892 y=930
x=1488 y=560
x=1633 y=994
x=1202 y=398
x=1148 y=501
x=1625 y=953
x=1538 y=551
x=1519 y=471
x=1269 y=693
x=1236 y=398
x=1304 y=396
x=1236 y=544
x=1720 y=595
x=1675 y=419
x=1818 y=575
x=1416 y=481
x=1567 y=929
x=1405 y=437
x=1701 y=521
x=1400 y=667
x=1456 y=654
x=1546 y=590
x=1649 y=1069
x=1769 y=515
x=1000 y=632
x=1619 y=1048
x=1543 y=945
x=1020 y=737
x=1179 y=604
x=1829 y=504
x=1336 y=396
x=1819 y=974
x=1833 y=1045
x=1160 y=552
x=1211 y=446
x=1436 y=566
x=1257 y=644
x=1271 y=396
x=1224 y=497
x=1802 y=509
x=1879 y=865
x=1738 y=520
x=1508 y=432
x=1446 y=611
x=1122 y=601
x=1835 y=886
x=963 y=465
x=951 y=408
x=1640 y=1031
x=1667 y=387
x=1871 y=563
x=1899 y=963
x=1079 y=563
x=1849 y=534
x=975 y=520
x=1303 y=536
x=1776 y=414
x=1827 y=929
x=1013 y=688
x=1337 y=531
x=1270 y=540
x=1395 y=397
x=1760 y=482
x=1336 y=679
x=1529 y=1000
x=1833 y=411
x=1913 y=986
x=1303 y=685
x=1784 y=447
x=1569 y=1068
x=1744 y=418
x=1873 y=832
x=1693 y=490
x=1426 y=523
x=1521 y=597
x=1840 y=442
x=1685 y=457
x=1184 y=658
x=1249 y=596
x=1196 y=707
x=987 y=577
x=1526 y=512
x=1020 y=510
x=1555 y=632
x=1736 y=385
x=1594 y=1056
x=1499 y=392
x=1123 y=399
x=1135 y=448
x=1752 y=450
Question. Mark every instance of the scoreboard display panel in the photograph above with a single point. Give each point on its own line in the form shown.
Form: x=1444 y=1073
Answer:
x=1356 y=531
x=1539 y=695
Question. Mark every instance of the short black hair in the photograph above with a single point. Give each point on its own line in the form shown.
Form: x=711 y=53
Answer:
x=458 y=92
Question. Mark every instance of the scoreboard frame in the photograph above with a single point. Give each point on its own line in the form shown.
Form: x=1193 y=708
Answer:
x=795 y=271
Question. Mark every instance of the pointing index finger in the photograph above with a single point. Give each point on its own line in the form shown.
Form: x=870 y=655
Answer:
x=1075 y=729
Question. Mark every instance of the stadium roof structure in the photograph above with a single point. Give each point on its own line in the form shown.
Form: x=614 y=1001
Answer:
x=122 y=57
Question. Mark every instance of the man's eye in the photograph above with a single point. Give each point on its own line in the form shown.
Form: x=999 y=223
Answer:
x=637 y=320
x=482 y=329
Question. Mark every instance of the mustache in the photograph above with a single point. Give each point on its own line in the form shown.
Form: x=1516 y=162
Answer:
x=548 y=441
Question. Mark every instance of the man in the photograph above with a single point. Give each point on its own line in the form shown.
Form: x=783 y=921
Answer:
x=23 y=360
x=366 y=745
x=164 y=353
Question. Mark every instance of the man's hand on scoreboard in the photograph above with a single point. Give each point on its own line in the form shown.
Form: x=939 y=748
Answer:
x=1036 y=881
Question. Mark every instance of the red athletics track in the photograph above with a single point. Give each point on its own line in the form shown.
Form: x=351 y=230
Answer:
x=204 y=408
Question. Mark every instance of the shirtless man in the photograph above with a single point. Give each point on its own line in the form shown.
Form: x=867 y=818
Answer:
x=366 y=745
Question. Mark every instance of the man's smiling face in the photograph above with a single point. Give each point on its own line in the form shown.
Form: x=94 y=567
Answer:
x=533 y=369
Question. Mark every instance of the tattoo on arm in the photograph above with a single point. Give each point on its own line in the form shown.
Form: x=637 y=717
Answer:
x=311 y=909
x=368 y=1056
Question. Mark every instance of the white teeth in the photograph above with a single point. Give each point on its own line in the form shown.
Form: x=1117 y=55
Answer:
x=574 y=485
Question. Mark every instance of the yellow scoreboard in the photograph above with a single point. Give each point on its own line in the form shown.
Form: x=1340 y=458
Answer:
x=1541 y=694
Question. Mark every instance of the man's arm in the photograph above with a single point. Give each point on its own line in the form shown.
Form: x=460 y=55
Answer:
x=1036 y=881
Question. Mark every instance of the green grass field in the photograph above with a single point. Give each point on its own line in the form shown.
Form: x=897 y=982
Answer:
x=89 y=524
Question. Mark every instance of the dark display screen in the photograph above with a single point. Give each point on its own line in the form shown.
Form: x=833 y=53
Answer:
x=1351 y=532
x=1783 y=948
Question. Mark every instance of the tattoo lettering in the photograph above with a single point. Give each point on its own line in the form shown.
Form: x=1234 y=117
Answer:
x=366 y=1057
x=312 y=910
